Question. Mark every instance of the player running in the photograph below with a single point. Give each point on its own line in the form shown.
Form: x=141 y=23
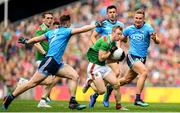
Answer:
x=139 y=34
x=42 y=48
x=52 y=64
x=106 y=29
x=98 y=55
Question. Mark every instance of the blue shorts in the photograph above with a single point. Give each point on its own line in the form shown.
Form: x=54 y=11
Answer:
x=131 y=59
x=49 y=66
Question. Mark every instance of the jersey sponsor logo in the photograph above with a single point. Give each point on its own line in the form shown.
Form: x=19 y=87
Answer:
x=138 y=37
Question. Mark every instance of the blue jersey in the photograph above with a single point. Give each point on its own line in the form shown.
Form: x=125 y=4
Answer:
x=58 y=40
x=139 y=39
x=107 y=27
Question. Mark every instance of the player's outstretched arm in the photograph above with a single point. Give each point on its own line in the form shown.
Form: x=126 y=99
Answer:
x=94 y=36
x=31 y=41
x=36 y=39
x=39 y=48
x=83 y=29
x=86 y=28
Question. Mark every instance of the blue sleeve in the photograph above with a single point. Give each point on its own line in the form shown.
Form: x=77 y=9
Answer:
x=47 y=34
x=68 y=31
x=99 y=30
x=125 y=32
x=150 y=29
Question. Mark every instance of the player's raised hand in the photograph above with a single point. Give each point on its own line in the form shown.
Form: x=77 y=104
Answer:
x=22 y=40
x=153 y=36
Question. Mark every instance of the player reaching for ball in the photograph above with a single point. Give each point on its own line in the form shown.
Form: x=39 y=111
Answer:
x=99 y=55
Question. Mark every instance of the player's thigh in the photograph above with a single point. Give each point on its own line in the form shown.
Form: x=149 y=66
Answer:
x=115 y=68
x=37 y=78
x=100 y=85
x=68 y=72
x=50 y=79
x=93 y=86
x=139 y=67
x=111 y=78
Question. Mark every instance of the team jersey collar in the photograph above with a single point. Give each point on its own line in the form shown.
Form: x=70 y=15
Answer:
x=111 y=21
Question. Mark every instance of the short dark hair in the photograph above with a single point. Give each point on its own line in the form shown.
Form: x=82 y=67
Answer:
x=140 y=11
x=117 y=27
x=111 y=7
x=65 y=18
x=56 y=23
x=44 y=14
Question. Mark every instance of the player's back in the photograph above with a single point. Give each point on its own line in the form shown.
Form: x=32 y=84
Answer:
x=58 y=40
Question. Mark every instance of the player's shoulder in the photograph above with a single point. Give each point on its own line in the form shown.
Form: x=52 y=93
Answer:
x=130 y=27
x=148 y=25
x=120 y=23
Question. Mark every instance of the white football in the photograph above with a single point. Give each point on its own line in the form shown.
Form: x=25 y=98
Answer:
x=117 y=54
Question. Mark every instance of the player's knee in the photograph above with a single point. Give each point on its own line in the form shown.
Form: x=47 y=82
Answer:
x=75 y=77
x=144 y=73
x=101 y=91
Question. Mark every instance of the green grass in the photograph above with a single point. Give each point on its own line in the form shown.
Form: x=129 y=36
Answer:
x=62 y=106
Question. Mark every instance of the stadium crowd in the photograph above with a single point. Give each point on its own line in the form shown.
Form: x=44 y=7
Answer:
x=163 y=60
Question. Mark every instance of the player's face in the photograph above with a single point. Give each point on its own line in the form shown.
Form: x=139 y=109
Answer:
x=48 y=20
x=117 y=35
x=138 y=20
x=112 y=14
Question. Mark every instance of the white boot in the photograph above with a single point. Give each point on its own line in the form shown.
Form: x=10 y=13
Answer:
x=22 y=81
x=43 y=103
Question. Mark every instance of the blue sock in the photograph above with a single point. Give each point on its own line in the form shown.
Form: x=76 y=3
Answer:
x=138 y=97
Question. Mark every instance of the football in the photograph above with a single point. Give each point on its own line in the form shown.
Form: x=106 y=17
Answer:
x=118 y=54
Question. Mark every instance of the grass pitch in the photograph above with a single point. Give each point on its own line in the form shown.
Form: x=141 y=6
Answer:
x=62 y=106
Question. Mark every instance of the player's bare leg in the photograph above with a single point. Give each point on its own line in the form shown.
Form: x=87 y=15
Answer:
x=115 y=69
x=140 y=68
x=68 y=72
x=35 y=80
x=100 y=86
x=45 y=99
x=128 y=77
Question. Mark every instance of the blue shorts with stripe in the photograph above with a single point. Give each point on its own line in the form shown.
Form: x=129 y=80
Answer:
x=49 y=66
x=131 y=59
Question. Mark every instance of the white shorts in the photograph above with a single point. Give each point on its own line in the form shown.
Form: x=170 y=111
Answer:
x=38 y=63
x=96 y=71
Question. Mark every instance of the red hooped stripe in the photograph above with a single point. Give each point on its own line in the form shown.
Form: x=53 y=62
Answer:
x=91 y=71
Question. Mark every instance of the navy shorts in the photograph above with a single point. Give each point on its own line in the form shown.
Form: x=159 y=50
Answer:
x=131 y=59
x=49 y=66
